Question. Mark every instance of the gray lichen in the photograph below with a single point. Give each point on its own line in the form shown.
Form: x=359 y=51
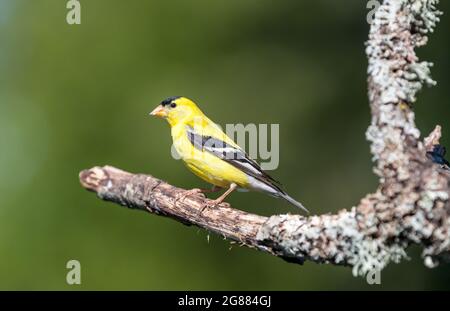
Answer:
x=336 y=239
x=384 y=224
x=396 y=75
x=400 y=26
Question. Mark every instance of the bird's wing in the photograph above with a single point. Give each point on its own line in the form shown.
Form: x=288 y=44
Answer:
x=202 y=125
x=230 y=153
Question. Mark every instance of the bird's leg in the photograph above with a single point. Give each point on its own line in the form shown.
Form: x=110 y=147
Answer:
x=220 y=199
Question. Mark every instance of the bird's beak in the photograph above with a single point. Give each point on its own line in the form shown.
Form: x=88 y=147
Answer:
x=159 y=112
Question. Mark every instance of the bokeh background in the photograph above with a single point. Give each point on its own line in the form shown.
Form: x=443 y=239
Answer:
x=72 y=97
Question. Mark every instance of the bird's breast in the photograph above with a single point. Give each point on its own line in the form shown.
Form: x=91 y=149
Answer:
x=206 y=165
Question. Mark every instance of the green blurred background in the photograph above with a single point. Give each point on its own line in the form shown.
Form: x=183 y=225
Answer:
x=72 y=97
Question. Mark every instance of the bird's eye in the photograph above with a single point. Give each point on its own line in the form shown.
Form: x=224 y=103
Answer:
x=173 y=105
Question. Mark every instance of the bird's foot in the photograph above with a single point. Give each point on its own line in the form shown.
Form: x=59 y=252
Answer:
x=187 y=193
x=195 y=191
x=212 y=204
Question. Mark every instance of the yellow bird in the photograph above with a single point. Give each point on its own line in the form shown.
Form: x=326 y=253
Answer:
x=211 y=155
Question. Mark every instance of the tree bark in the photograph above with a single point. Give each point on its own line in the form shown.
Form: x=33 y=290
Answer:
x=410 y=206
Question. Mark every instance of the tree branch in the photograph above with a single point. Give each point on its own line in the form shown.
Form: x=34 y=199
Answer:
x=150 y=194
x=410 y=206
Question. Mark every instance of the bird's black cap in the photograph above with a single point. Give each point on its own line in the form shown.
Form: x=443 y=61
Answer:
x=169 y=100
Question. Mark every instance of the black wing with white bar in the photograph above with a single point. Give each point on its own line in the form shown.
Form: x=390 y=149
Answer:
x=235 y=156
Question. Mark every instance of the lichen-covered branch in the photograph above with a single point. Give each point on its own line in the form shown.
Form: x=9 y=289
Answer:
x=410 y=206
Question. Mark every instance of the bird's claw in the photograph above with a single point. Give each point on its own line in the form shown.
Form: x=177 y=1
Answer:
x=195 y=191
x=212 y=204
x=187 y=193
x=207 y=204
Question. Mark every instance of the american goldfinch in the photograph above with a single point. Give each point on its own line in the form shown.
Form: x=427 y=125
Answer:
x=211 y=155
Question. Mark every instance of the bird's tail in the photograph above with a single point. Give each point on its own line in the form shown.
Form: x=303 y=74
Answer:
x=269 y=186
x=292 y=201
